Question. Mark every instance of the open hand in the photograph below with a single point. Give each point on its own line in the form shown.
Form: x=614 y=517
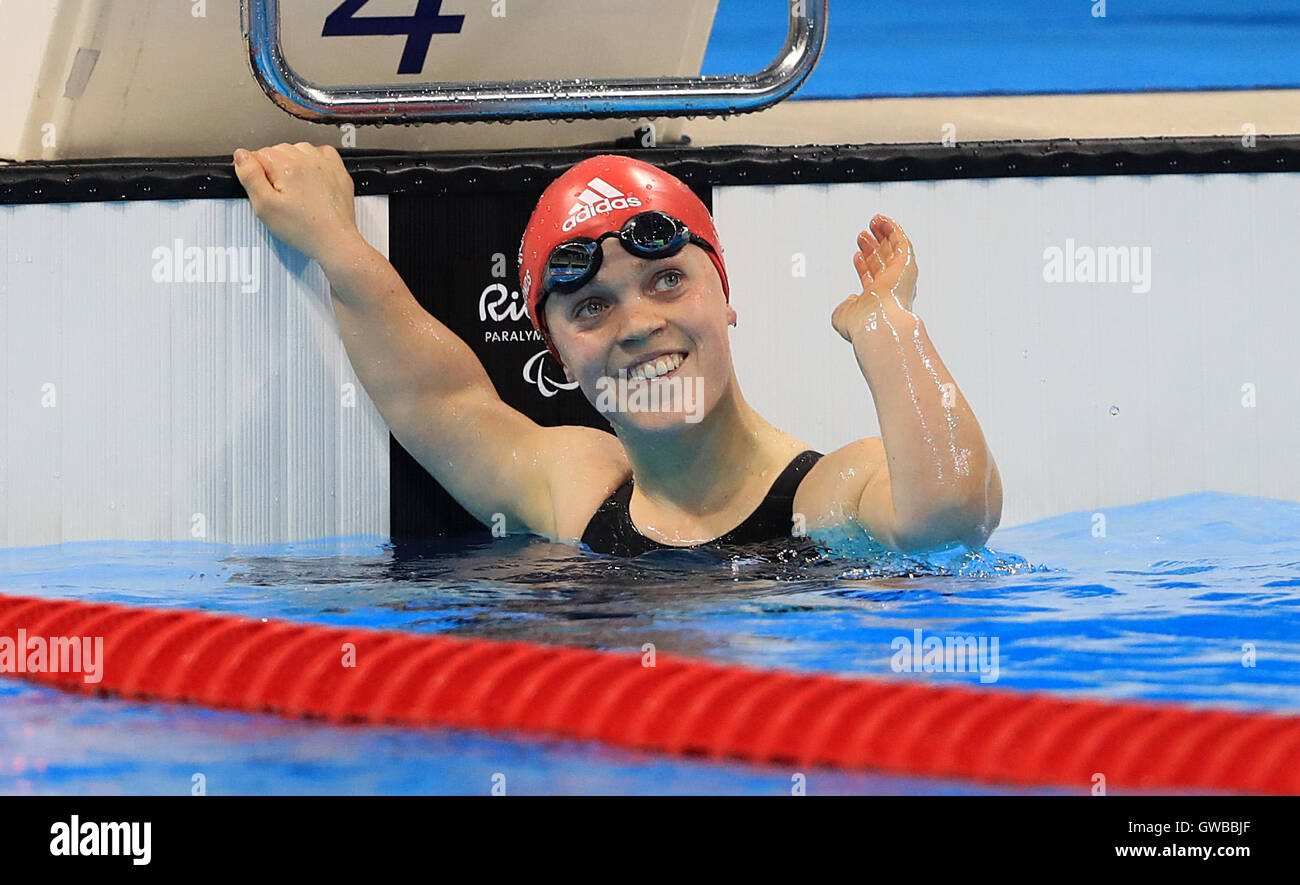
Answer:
x=887 y=267
x=302 y=193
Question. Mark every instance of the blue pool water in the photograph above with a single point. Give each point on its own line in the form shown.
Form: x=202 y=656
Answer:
x=1193 y=599
x=957 y=47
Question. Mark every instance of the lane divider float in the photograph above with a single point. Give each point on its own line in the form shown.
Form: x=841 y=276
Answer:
x=679 y=706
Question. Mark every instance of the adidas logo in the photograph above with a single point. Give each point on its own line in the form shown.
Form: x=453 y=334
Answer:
x=598 y=198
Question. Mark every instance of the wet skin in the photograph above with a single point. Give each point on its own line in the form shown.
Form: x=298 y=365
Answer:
x=928 y=481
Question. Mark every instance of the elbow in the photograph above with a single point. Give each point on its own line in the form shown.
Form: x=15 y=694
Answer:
x=940 y=531
x=968 y=519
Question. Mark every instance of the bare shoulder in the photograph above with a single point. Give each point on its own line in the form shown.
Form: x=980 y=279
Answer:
x=583 y=465
x=830 y=493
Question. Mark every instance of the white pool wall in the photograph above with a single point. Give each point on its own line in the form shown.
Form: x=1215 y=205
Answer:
x=147 y=410
x=140 y=410
x=1043 y=363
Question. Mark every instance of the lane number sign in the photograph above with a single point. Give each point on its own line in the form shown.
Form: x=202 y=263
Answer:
x=419 y=28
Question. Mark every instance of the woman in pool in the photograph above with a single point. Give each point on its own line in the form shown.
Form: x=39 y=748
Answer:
x=624 y=278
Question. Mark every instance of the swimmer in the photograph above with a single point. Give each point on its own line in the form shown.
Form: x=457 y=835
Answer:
x=624 y=278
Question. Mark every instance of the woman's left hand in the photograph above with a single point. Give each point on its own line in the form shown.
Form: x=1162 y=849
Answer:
x=887 y=267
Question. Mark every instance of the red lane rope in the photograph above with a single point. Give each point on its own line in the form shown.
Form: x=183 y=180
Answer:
x=678 y=706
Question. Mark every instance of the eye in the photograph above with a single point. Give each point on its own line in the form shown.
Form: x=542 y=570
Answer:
x=669 y=279
x=580 y=312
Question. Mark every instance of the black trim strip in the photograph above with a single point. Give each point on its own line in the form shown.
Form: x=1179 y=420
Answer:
x=378 y=172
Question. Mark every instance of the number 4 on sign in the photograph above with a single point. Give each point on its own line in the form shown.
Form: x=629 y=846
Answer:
x=418 y=28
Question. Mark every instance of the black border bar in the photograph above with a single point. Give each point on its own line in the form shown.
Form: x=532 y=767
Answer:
x=928 y=835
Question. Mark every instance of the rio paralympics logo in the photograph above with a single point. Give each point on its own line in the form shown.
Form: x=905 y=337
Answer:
x=501 y=306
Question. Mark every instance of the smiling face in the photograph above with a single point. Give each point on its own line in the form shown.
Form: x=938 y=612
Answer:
x=661 y=324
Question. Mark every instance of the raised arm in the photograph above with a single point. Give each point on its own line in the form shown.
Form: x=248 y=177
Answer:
x=429 y=386
x=929 y=480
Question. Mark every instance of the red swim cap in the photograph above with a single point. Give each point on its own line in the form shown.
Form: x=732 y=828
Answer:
x=597 y=196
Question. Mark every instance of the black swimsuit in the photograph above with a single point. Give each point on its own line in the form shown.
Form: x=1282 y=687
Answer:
x=611 y=529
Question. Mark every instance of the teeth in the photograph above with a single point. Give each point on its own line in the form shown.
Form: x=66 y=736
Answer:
x=655 y=368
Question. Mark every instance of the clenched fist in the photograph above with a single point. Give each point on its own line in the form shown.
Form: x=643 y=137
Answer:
x=302 y=193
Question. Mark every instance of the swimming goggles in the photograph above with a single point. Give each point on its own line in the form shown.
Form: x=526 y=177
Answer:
x=651 y=234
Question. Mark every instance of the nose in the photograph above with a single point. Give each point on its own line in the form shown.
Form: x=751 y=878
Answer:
x=641 y=319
